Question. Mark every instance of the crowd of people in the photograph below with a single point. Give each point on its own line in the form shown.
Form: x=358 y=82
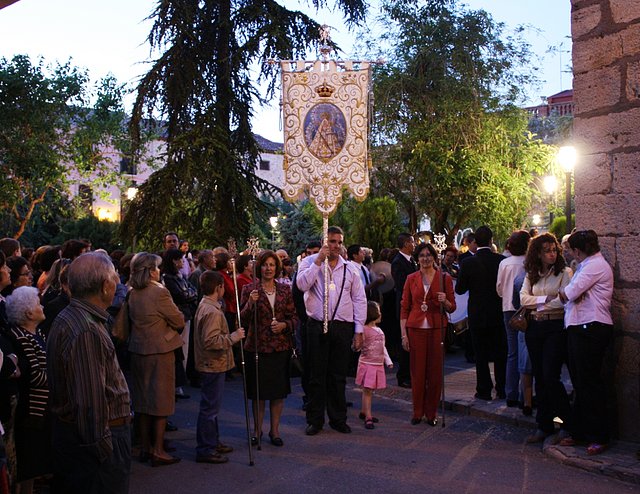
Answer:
x=97 y=348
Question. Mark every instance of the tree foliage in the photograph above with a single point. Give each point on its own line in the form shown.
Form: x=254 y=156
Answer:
x=450 y=142
x=212 y=56
x=50 y=136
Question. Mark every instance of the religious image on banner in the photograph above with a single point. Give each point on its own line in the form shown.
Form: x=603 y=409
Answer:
x=326 y=121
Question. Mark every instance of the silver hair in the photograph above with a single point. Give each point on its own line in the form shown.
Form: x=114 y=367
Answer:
x=141 y=266
x=88 y=272
x=22 y=300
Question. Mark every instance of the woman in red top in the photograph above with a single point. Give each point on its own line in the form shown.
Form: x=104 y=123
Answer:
x=421 y=324
x=276 y=323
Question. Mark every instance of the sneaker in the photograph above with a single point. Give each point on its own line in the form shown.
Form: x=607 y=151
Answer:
x=223 y=449
x=212 y=458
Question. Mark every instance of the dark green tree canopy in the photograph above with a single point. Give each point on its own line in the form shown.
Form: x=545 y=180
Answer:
x=450 y=141
x=54 y=130
x=212 y=57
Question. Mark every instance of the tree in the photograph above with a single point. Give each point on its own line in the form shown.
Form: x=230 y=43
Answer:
x=49 y=138
x=450 y=141
x=377 y=223
x=203 y=85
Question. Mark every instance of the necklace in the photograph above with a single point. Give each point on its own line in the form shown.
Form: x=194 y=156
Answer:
x=271 y=291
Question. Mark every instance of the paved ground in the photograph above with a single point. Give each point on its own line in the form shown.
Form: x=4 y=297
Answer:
x=481 y=449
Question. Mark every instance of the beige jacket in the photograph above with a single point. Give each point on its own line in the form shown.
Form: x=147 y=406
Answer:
x=535 y=297
x=155 y=321
x=211 y=339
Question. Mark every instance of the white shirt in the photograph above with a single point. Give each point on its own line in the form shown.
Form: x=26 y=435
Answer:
x=353 y=304
x=508 y=270
x=590 y=292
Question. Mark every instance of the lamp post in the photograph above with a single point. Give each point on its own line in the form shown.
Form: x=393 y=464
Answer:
x=551 y=185
x=274 y=224
x=567 y=157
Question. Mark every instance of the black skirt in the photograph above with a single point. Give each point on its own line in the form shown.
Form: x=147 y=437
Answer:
x=273 y=375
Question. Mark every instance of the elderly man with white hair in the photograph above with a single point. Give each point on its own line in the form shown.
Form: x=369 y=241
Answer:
x=32 y=424
x=89 y=395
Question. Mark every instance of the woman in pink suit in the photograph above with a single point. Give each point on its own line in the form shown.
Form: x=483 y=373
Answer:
x=421 y=324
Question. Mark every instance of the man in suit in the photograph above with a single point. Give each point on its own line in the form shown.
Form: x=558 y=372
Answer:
x=470 y=241
x=478 y=276
x=401 y=267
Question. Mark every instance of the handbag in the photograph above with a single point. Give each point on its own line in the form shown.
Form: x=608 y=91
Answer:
x=296 y=368
x=519 y=320
x=121 y=328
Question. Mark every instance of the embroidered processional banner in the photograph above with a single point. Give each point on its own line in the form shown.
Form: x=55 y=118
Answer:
x=325 y=105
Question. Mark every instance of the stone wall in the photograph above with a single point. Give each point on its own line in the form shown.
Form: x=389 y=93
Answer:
x=606 y=64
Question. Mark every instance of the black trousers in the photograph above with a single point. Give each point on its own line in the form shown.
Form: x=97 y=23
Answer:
x=490 y=343
x=327 y=363
x=587 y=348
x=547 y=345
x=77 y=471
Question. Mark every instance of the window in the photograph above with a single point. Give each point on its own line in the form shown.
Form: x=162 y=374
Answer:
x=127 y=166
x=85 y=196
x=264 y=165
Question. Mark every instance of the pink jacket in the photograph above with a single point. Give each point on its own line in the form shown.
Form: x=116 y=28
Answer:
x=373 y=350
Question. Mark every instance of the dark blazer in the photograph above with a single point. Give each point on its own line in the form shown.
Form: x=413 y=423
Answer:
x=400 y=269
x=284 y=311
x=478 y=275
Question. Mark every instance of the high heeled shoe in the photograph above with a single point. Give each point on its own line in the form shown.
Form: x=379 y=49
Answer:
x=254 y=440
x=276 y=441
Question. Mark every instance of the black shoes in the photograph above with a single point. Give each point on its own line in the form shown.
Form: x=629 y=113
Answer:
x=432 y=422
x=513 y=403
x=341 y=427
x=362 y=416
x=415 y=421
x=404 y=384
x=170 y=427
x=312 y=430
x=480 y=396
x=276 y=441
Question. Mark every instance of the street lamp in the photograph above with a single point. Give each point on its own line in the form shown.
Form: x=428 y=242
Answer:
x=274 y=224
x=550 y=186
x=567 y=157
x=131 y=192
x=536 y=219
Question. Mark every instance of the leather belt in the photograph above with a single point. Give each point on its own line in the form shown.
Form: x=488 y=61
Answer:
x=120 y=421
x=546 y=317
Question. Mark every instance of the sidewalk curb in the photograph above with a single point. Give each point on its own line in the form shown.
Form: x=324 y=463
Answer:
x=602 y=464
x=619 y=462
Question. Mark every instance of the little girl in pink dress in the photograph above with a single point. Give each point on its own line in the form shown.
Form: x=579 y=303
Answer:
x=373 y=356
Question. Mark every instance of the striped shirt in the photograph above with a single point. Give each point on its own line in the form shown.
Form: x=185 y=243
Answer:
x=87 y=386
x=33 y=366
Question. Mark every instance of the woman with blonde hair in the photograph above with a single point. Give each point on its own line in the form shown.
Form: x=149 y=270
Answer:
x=155 y=322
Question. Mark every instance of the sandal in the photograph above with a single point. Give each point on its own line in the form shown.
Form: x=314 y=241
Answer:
x=362 y=416
x=368 y=424
x=596 y=448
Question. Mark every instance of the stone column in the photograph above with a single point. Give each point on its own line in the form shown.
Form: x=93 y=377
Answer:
x=606 y=64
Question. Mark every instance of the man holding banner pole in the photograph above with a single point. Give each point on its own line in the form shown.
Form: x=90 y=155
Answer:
x=329 y=353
